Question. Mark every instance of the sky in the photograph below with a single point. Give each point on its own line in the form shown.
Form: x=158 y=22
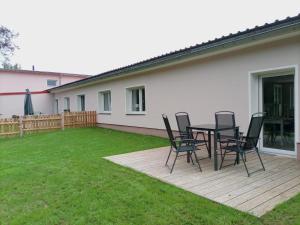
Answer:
x=94 y=36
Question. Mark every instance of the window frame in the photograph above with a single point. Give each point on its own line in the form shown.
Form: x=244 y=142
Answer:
x=68 y=108
x=101 y=101
x=56 y=106
x=79 y=103
x=129 y=110
x=49 y=85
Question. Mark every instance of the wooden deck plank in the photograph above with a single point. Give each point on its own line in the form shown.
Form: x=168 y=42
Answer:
x=233 y=191
x=238 y=182
x=271 y=193
x=240 y=199
x=234 y=174
x=230 y=186
x=269 y=205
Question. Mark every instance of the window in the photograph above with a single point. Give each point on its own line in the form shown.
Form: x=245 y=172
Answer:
x=81 y=102
x=51 y=83
x=136 y=100
x=66 y=104
x=56 y=106
x=105 y=101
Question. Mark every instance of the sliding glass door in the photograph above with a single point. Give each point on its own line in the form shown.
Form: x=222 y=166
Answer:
x=277 y=101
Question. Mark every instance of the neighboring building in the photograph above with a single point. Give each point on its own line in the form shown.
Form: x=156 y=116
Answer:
x=13 y=84
x=250 y=71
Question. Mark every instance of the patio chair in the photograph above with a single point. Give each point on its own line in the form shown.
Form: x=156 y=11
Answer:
x=225 y=118
x=180 y=145
x=183 y=121
x=248 y=143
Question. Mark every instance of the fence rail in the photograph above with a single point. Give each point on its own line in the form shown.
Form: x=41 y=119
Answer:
x=31 y=124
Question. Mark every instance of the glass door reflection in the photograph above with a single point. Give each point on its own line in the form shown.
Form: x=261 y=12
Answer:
x=278 y=103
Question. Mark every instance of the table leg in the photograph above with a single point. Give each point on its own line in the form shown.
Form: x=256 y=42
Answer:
x=188 y=157
x=281 y=132
x=215 y=153
x=209 y=144
x=237 y=154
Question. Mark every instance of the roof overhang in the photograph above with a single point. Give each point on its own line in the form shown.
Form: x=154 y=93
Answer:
x=238 y=42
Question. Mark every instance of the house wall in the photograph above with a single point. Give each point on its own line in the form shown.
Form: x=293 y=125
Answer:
x=13 y=85
x=14 y=104
x=18 y=82
x=201 y=87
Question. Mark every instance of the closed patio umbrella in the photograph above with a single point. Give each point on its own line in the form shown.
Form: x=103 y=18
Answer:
x=28 y=108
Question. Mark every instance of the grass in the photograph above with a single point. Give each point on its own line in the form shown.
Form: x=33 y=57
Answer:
x=61 y=178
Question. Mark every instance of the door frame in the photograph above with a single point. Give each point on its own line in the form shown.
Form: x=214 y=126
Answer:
x=255 y=100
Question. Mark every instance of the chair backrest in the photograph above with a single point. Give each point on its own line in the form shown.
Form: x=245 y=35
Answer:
x=169 y=130
x=226 y=118
x=183 y=121
x=254 y=129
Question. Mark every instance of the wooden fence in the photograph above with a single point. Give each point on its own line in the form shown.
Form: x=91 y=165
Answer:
x=32 y=124
x=80 y=119
x=9 y=127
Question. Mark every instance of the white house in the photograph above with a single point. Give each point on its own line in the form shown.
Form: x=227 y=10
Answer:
x=14 y=82
x=250 y=71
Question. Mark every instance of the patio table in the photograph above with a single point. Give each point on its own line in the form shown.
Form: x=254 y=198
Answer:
x=212 y=128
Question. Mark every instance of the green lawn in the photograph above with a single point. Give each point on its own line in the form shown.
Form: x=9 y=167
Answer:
x=61 y=178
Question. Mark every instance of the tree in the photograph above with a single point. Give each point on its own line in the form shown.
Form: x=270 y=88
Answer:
x=7 y=45
x=8 y=66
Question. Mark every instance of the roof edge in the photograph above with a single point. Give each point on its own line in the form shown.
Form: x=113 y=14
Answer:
x=238 y=38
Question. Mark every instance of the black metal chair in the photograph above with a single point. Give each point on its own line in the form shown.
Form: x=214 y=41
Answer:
x=183 y=121
x=181 y=145
x=242 y=145
x=225 y=118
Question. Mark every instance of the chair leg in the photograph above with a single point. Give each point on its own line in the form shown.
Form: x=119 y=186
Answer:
x=221 y=150
x=197 y=160
x=260 y=159
x=242 y=156
x=191 y=154
x=205 y=143
x=223 y=157
x=236 y=159
x=174 y=162
x=168 y=156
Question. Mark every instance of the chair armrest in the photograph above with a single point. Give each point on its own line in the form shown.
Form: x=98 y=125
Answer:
x=244 y=137
x=187 y=141
x=180 y=137
x=236 y=140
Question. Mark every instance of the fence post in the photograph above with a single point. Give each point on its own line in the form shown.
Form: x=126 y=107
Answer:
x=21 y=126
x=62 y=120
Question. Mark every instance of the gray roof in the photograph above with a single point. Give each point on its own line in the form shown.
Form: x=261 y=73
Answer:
x=290 y=24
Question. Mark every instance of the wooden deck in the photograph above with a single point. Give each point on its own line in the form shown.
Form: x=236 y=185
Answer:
x=230 y=186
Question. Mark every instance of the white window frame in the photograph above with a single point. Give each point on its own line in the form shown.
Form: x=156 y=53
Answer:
x=67 y=104
x=129 y=110
x=51 y=81
x=79 y=103
x=101 y=95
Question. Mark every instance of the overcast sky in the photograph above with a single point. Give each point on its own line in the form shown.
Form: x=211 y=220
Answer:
x=95 y=36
